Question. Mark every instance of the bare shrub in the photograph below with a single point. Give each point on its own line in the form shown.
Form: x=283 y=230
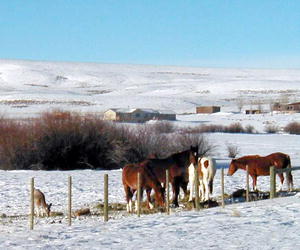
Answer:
x=235 y=128
x=163 y=127
x=232 y=150
x=293 y=128
x=232 y=128
x=184 y=141
x=271 y=129
x=250 y=129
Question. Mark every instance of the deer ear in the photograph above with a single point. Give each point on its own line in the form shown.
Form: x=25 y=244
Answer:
x=50 y=205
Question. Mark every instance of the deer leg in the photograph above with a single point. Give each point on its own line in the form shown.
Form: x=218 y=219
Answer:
x=201 y=190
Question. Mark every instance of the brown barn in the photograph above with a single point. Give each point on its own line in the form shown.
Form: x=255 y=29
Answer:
x=138 y=115
x=252 y=111
x=291 y=107
x=207 y=109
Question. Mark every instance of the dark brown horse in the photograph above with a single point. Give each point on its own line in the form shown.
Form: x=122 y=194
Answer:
x=177 y=164
x=260 y=166
x=148 y=182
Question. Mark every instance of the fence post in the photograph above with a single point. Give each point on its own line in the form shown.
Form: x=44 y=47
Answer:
x=167 y=192
x=105 y=207
x=272 y=182
x=196 y=181
x=69 y=200
x=139 y=195
x=31 y=215
x=247 y=182
x=222 y=187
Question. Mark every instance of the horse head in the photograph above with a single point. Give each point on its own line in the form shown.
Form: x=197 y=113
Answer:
x=232 y=167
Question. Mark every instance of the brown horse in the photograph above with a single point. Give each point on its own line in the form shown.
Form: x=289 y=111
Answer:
x=260 y=166
x=148 y=182
x=177 y=164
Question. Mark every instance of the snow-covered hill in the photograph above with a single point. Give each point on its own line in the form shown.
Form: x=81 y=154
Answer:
x=29 y=87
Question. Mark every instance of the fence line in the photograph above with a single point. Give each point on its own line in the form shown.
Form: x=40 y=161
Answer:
x=31 y=215
x=167 y=192
x=273 y=172
x=69 y=200
x=105 y=207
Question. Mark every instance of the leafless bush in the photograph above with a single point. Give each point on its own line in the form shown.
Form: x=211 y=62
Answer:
x=232 y=128
x=163 y=127
x=271 y=129
x=293 y=128
x=232 y=150
x=250 y=129
x=184 y=141
x=235 y=128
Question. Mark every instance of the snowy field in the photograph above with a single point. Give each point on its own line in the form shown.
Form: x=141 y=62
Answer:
x=28 y=88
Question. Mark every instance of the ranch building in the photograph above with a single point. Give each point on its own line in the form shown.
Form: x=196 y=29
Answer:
x=290 y=108
x=138 y=115
x=252 y=111
x=208 y=109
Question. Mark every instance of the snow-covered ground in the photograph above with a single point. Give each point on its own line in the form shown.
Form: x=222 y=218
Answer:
x=28 y=88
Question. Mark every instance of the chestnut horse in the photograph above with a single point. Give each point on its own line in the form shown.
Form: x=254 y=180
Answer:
x=148 y=182
x=177 y=164
x=260 y=166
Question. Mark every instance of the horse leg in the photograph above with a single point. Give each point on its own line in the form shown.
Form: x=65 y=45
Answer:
x=254 y=178
x=191 y=181
x=129 y=195
x=176 y=188
x=149 y=204
x=184 y=188
x=201 y=190
x=281 y=181
x=206 y=190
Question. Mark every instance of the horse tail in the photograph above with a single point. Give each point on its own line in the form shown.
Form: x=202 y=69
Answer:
x=289 y=175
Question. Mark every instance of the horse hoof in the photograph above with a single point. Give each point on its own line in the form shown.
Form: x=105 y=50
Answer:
x=174 y=205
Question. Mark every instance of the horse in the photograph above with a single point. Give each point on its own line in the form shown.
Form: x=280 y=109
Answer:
x=206 y=171
x=177 y=164
x=260 y=166
x=148 y=182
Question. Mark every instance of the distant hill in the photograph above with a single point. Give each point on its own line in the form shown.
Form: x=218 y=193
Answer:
x=29 y=87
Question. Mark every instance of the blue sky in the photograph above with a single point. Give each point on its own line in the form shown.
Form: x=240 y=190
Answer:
x=205 y=33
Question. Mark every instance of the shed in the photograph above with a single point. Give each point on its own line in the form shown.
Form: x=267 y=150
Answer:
x=252 y=111
x=207 y=109
x=291 y=107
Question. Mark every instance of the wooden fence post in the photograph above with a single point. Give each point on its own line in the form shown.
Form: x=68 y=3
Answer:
x=139 y=195
x=196 y=181
x=105 y=207
x=222 y=187
x=247 y=182
x=69 y=200
x=31 y=215
x=167 y=192
x=272 y=182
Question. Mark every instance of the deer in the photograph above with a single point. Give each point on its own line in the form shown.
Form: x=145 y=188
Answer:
x=40 y=204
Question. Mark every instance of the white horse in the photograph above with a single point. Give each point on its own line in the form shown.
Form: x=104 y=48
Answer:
x=206 y=171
